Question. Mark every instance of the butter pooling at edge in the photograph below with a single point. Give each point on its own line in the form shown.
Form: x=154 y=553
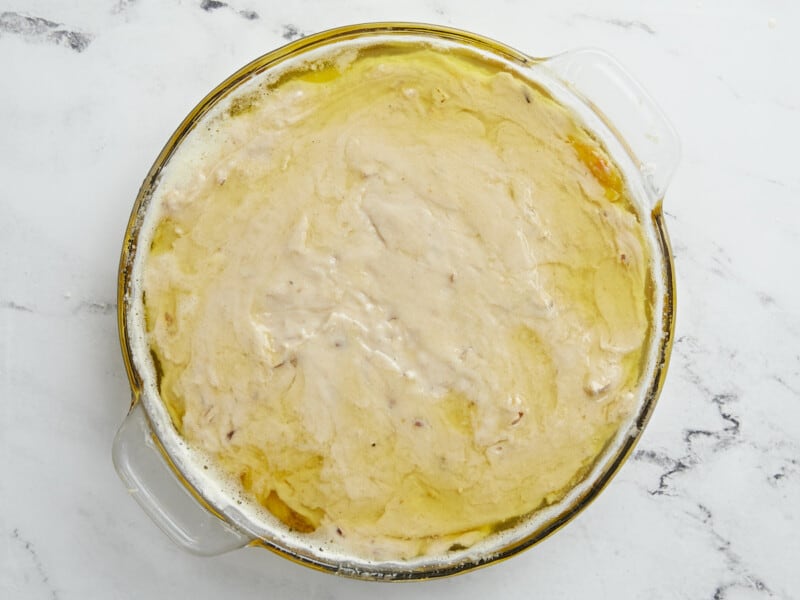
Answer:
x=401 y=300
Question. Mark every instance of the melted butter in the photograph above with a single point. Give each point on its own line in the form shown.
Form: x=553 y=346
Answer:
x=401 y=298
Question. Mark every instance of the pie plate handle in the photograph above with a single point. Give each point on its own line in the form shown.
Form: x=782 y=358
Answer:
x=164 y=495
x=621 y=101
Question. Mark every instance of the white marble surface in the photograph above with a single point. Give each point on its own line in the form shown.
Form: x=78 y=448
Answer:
x=710 y=505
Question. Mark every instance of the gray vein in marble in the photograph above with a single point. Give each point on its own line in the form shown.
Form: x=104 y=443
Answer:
x=291 y=32
x=621 y=23
x=765 y=299
x=437 y=8
x=785 y=473
x=744 y=579
x=95 y=308
x=732 y=170
x=688 y=349
x=11 y=305
x=740 y=577
x=724 y=437
x=209 y=5
x=631 y=25
x=763 y=178
x=122 y=5
x=90 y=307
x=722 y=264
x=734 y=92
x=783 y=382
x=43 y=30
x=670 y=465
x=212 y=5
x=37 y=563
x=786 y=105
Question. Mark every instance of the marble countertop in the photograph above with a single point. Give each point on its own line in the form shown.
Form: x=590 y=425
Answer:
x=709 y=505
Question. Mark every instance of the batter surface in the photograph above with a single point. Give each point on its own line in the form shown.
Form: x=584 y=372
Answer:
x=401 y=299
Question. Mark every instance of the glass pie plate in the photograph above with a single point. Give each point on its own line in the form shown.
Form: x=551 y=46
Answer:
x=189 y=506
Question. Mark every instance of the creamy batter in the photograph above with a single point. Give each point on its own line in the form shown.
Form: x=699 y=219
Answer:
x=401 y=299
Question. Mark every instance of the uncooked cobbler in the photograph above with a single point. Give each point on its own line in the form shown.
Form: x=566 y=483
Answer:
x=400 y=297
